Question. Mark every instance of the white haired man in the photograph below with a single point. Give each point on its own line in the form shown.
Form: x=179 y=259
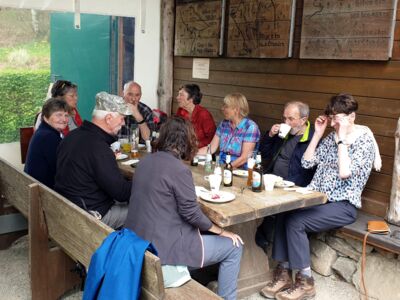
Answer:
x=87 y=172
x=142 y=115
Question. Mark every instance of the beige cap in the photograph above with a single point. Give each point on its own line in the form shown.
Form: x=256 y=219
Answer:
x=111 y=103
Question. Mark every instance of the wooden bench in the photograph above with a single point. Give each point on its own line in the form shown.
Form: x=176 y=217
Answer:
x=358 y=229
x=75 y=233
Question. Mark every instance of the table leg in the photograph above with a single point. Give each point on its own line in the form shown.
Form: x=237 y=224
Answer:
x=254 y=269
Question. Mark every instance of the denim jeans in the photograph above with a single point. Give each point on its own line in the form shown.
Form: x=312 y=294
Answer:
x=221 y=250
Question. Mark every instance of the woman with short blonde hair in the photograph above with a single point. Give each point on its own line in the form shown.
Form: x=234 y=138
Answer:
x=237 y=100
x=236 y=135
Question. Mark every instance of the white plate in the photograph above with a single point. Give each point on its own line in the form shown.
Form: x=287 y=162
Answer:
x=284 y=184
x=129 y=162
x=223 y=197
x=240 y=173
x=121 y=156
x=201 y=157
x=142 y=146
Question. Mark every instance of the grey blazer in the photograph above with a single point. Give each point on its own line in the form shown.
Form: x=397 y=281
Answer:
x=163 y=210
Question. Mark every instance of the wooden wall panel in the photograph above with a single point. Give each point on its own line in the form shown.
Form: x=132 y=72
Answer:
x=269 y=83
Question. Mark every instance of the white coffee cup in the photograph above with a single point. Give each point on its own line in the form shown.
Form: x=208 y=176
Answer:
x=215 y=182
x=283 y=130
x=269 y=181
x=116 y=146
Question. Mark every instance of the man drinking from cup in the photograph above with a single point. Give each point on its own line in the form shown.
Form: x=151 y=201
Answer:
x=282 y=148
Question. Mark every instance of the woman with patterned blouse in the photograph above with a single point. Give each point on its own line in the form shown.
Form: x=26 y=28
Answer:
x=236 y=134
x=344 y=160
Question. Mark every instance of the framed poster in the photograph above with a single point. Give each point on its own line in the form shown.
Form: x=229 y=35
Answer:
x=348 y=29
x=197 y=28
x=260 y=28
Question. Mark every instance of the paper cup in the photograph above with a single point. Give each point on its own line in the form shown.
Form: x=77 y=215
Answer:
x=116 y=146
x=269 y=181
x=283 y=130
x=215 y=182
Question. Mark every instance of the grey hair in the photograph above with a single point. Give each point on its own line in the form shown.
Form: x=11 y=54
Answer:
x=129 y=83
x=101 y=114
x=303 y=108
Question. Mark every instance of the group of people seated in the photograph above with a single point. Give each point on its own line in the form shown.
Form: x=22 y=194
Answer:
x=160 y=202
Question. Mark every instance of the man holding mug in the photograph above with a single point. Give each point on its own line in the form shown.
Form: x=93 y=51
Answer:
x=282 y=148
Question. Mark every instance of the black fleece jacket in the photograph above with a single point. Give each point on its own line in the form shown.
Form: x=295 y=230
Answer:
x=87 y=172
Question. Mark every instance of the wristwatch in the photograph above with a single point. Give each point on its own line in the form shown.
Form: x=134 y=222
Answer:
x=141 y=122
x=340 y=142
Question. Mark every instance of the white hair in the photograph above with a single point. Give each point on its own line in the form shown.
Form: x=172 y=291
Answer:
x=129 y=83
x=101 y=114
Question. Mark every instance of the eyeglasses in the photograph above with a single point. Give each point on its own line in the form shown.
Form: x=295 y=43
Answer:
x=337 y=117
x=290 y=119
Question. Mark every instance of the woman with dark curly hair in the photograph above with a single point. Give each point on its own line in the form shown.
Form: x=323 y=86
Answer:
x=163 y=209
x=189 y=98
x=67 y=91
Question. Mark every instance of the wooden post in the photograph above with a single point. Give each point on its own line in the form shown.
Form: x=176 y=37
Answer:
x=393 y=215
x=165 y=82
x=50 y=268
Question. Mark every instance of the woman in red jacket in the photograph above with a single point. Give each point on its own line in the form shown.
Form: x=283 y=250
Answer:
x=189 y=98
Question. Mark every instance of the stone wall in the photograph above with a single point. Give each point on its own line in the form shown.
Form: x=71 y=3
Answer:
x=338 y=257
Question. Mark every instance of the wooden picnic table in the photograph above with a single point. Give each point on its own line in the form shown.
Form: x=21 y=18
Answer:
x=243 y=215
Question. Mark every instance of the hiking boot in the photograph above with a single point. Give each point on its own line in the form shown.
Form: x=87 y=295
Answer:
x=281 y=280
x=303 y=288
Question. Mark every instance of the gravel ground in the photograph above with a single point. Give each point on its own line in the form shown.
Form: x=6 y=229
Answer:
x=14 y=279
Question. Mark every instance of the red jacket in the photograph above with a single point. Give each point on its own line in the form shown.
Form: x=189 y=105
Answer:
x=203 y=123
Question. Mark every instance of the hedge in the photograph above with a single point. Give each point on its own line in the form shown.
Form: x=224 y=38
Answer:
x=22 y=94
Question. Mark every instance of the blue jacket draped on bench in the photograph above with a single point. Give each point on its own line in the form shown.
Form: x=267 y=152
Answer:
x=115 y=267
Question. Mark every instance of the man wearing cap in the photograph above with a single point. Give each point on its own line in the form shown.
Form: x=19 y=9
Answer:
x=87 y=172
x=142 y=115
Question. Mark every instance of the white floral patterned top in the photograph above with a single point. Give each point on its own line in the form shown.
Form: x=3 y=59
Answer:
x=326 y=178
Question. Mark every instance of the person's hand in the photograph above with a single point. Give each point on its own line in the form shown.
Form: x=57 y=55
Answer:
x=236 y=239
x=135 y=111
x=274 y=130
x=320 y=125
x=344 y=125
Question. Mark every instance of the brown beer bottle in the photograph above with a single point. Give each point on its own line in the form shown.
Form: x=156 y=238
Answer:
x=257 y=183
x=228 y=178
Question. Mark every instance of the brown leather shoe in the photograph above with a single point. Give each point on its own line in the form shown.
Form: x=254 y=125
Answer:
x=303 y=288
x=281 y=280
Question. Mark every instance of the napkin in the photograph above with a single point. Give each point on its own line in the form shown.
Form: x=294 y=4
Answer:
x=129 y=162
x=301 y=190
x=200 y=190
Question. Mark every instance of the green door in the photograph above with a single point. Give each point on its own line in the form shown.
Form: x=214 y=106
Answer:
x=82 y=56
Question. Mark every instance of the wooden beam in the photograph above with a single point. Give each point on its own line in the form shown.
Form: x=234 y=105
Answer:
x=393 y=215
x=165 y=81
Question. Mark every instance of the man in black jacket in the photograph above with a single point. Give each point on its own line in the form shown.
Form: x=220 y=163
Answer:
x=282 y=156
x=87 y=171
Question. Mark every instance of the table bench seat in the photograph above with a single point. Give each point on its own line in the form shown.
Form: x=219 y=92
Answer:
x=358 y=229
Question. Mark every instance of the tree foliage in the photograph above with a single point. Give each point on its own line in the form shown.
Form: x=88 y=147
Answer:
x=22 y=94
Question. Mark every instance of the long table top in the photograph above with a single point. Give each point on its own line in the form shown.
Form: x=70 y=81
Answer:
x=247 y=205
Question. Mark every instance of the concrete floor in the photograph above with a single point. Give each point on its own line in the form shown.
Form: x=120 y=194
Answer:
x=14 y=279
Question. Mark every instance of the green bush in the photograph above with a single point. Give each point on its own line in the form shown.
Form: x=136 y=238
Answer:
x=22 y=94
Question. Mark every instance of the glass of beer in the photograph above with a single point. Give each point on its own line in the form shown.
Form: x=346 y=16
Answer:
x=125 y=143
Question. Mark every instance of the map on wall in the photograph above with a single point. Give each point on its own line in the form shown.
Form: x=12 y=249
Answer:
x=348 y=29
x=197 y=27
x=260 y=28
